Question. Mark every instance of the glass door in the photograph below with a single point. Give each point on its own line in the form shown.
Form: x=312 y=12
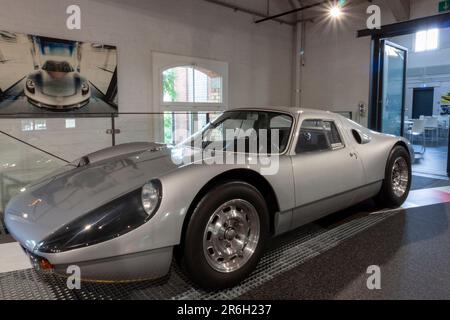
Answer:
x=392 y=87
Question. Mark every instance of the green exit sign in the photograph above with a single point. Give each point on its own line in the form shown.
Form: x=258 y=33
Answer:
x=444 y=6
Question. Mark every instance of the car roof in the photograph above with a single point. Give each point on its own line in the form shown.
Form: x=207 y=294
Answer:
x=291 y=110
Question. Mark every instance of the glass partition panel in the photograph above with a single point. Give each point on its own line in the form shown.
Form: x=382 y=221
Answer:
x=167 y=127
x=21 y=164
x=34 y=147
x=67 y=138
x=393 y=89
x=139 y=128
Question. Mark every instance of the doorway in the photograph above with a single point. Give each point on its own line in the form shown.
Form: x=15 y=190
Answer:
x=410 y=88
x=426 y=80
x=392 y=87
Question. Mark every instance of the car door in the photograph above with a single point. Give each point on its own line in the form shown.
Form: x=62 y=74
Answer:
x=326 y=170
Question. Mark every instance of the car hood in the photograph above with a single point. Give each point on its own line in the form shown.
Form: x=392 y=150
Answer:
x=54 y=201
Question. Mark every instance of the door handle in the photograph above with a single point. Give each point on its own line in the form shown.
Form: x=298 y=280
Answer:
x=354 y=154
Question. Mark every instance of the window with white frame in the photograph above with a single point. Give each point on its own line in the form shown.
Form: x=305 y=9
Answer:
x=191 y=84
x=189 y=91
x=427 y=40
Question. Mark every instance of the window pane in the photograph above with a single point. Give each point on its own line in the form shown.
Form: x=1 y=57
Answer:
x=168 y=127
x=169 y=94
x=191 y=85
x=333 y=134
x=27 y=125
x=432 y=39
x=427 y=40
x=421 y=41
x=181 y=127
x=202 y=121
x=71 y=123
x=312 y=137
x=40 y=124
x=282 y=121
x=283 y=124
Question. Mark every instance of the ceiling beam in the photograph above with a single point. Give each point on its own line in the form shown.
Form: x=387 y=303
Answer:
x=246 y=10
x=317 y=4
x=401 y=9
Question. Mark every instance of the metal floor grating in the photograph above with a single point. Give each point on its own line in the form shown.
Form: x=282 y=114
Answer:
x=284 y=253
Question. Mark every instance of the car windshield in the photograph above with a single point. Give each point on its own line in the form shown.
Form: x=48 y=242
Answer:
x=55 y=66
x=256 y=131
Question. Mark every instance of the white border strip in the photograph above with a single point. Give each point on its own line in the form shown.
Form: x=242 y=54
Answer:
x=13 y=258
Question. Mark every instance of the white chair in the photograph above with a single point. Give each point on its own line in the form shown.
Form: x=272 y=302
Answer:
x=432 y=125
x=443 y=126
x=417 y=130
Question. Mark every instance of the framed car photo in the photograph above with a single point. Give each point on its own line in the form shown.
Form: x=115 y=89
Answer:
x=47 y=76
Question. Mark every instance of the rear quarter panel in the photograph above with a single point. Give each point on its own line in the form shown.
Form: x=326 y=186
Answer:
x=374 y=155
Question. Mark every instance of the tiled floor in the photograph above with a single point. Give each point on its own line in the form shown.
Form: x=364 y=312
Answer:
x=13 y=258
x=428 y=182
x=434 y=161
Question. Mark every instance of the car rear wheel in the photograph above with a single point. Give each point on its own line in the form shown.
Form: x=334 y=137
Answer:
x=225 y=236
x=397 y=181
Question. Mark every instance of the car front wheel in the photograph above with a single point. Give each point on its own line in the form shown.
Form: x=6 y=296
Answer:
x=225 y=236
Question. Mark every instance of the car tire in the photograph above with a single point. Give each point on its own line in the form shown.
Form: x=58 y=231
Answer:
x=395 y=188
x=226 y=217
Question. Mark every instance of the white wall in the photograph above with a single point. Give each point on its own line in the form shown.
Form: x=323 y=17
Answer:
x=259 y=56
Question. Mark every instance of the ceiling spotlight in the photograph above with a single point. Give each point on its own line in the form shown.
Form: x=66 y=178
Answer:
x=335 y=11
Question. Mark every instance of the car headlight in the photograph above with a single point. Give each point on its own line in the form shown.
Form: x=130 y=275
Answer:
x=30 y=86
x=151 y=196
x=107 y=222
x=84 y=88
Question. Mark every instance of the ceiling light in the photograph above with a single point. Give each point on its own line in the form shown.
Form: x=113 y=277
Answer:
x=335 y=11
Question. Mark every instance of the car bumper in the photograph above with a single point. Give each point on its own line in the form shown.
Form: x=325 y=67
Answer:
x=140 y=266
x=56 y=106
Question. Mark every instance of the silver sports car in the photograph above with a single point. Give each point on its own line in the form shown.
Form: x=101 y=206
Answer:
x=213 y=201
x=57 y=86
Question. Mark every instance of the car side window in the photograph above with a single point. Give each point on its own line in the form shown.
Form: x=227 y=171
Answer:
x=283 y=124
x=333 y=135
x=318 y=135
